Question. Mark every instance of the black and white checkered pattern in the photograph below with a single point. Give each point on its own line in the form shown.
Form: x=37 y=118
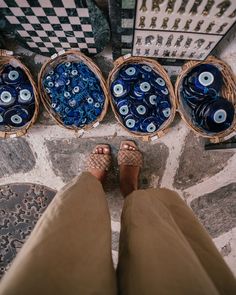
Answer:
x=48 y=26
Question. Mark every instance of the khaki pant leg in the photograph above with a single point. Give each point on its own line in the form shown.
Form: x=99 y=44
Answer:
x=200 y=241
x=155 y=257
x=69 y=250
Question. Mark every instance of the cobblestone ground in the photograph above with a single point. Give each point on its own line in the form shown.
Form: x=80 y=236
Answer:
x=33 y=167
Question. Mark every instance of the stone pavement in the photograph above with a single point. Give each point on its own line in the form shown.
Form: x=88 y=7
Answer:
x=41 y=162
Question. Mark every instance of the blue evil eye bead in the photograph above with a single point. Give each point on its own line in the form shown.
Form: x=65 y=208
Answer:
x=2 y=110
x=16 y=116
x=74 y=72
x=145 y=68
x=120 y=88
x=142 y=88
x=90 y=100
x=139 y=110
x=12 y=76
x=131 y=122
x=204 y=77
x=149 y=125
x=159 y=83
x=67 y=94
x=129 y=73
x=164 y=109
x=7 y=96
x=123 y=107
x=25 y=94
x=218 y=115
x=76 y=89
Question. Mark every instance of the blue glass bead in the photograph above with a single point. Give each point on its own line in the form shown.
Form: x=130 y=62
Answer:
x=139 y=109
x=142 y=88
x=16 y=116
x=129 y=73
x=7 y=96
x=123 y=107
x=216 y=115
x=25 y=94
x=13 y=76
x=120 y=88
x=131 y=122
x=205 y=77
x=149 y=125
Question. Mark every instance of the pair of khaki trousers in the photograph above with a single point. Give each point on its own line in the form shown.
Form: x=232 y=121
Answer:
x=163 y=248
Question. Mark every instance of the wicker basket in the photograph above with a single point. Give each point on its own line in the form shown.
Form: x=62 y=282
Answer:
x=127 y=59
x=228 y=92
x=71 y=55
x=6 y=58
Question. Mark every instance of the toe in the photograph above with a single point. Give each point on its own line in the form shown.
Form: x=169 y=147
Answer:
x=106 y=150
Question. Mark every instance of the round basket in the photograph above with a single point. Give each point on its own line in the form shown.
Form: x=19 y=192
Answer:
x=228 y=91
x=72 y=56
x=127 y=59
x=7 y=131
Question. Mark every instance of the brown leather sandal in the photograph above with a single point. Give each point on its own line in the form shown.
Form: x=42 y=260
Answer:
x=129 y=157
x=100 y=161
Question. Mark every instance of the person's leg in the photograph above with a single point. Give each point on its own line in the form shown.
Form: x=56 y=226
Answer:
x=69 y=251
x=155 y=257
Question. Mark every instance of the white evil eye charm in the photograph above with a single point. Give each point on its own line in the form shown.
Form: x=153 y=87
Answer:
x=165 y=91
x=124 y=110
x=72 y=103
x=67 y=64
x=145 y=86
x=67 y=94
x=161 y=82
x=16 y=119
x=97 y=105
x=153 y=99
x=90 y=100
x=220 y=116
x=141 y=110
x=13 y=75
x=50 y=84
x=166 y=112
x=25 y=95
x=118 y=90
x=130 y=123
x=48 y=90
x=130 y=71
x=76 y=89
x=6 y=97
x=151 y=128
x=51 y=73
x=74 y=72
x=147 y=68
x=206 y=78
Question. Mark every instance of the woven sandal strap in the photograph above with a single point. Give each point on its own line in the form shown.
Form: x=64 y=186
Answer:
x=130 y=158
x=99 y=161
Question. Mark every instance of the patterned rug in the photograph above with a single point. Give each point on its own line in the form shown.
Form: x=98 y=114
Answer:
x=21 y=205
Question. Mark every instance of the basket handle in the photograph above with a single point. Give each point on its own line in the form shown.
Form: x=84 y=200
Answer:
x=4 y=52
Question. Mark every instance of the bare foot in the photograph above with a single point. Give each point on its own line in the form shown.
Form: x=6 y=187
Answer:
x=99 y=172
x=129 y=173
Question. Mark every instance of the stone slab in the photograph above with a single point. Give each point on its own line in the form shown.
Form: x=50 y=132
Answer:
x=196 y=164
x=15 y=156
x=217 y=210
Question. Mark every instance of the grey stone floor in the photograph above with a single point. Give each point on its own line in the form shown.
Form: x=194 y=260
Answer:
x=51 y=156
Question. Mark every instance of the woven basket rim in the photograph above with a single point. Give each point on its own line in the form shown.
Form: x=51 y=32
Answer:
x=46 y=99
x=120 y=62
x=16 y=132
x=229 y=93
